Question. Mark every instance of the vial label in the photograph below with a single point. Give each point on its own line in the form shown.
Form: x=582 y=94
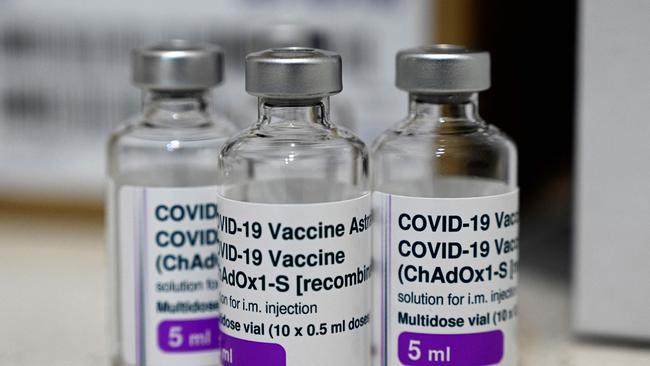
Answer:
x=169 y=279
x=295 y=283
x=449 y=272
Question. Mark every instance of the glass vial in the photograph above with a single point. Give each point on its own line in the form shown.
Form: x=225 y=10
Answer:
x=162 y=211
x=294 y=216
x=446 y=219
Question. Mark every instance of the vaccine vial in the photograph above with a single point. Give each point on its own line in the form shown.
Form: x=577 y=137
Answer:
x=446 y=209
x=162 y=211
x=294 y=222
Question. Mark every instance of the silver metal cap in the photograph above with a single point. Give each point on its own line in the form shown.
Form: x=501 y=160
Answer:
x=442 y=69
x=177 y=65
x=293 y=73
x=286 y=35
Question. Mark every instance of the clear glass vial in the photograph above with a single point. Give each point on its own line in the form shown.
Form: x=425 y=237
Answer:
x=160 y=163
x=295 y=169
x=446 y=212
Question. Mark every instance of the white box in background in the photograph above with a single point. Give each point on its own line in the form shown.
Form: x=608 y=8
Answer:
x=612 y=249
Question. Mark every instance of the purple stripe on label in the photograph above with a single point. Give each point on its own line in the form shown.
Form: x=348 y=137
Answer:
x=189 y=335
x=239 y=352
x=417 y=349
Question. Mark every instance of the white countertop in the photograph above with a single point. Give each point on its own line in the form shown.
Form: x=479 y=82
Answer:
x=52 y=296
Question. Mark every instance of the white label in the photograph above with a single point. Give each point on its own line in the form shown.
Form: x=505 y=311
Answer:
x=295 y=283
x=169 y=279
x=448 y=271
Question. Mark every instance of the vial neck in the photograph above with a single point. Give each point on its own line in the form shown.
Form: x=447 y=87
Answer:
x=445 y=110
x=294 y=113
x=177 y=108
